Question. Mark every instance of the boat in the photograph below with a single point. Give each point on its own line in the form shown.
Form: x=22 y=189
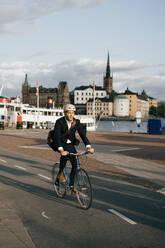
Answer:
x=19 y=115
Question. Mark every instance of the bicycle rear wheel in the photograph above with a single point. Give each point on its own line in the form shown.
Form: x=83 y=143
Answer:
x=60 y=189
x=83 y=188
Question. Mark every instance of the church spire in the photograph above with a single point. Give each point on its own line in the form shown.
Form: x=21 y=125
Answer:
x=108 y=71
x=26 y=80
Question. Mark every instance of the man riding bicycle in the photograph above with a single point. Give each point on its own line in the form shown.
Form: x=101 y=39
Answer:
x=65 y=141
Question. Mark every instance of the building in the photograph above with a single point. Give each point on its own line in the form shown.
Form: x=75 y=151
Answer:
x=108 y=79
x=48 y=97
x=153 y=102
x=63 y=94
x=83 y=94
x=143 y=107
x=102 y=105
x=137 y=103
x=121 y=106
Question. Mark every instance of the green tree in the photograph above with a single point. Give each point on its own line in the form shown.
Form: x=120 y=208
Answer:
x=153 y=110
x=112 y=95
x=161 y=109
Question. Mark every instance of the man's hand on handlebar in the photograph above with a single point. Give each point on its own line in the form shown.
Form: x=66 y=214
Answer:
x=64 y=153
x=90 y=150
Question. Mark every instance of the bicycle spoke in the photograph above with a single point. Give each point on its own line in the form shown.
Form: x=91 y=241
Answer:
x=60 y=189
x=83 y=189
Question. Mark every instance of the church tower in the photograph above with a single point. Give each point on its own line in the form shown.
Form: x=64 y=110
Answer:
x=25 y=90
x=108 y=79
x=62 y=94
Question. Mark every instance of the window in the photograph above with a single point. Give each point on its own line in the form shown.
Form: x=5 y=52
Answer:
x=77 y=93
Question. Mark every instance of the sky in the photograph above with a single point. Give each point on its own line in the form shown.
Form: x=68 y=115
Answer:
x=68 y=40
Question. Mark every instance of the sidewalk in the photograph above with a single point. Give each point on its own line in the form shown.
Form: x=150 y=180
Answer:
x=13 y=234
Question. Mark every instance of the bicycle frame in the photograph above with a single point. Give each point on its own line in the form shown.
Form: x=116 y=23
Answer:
x=82 y=185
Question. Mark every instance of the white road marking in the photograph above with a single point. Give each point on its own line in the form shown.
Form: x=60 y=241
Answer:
x=4 y=161
x=20 y=167
x=44 y=215
x=48 y=178
x=36 y=147
x=125 y=149
x=161 y=191
x=122 y=216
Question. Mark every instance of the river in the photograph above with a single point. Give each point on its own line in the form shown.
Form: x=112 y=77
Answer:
x=122 y=126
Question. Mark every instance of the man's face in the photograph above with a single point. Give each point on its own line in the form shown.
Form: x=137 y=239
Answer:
x=69 y=115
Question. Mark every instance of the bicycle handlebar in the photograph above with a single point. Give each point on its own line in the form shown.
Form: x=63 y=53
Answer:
x=79 y=153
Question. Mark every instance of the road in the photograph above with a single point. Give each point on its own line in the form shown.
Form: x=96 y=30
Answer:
x=122 y=214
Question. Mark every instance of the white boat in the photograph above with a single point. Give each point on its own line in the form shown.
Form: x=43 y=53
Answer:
x=25 y=116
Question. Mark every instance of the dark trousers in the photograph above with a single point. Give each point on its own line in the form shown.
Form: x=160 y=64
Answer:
x=71 y=149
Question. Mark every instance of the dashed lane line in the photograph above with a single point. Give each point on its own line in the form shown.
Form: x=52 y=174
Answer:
x=125 y=149
x=48 y=178
x=20 y=167
x=4 y=161
x=122 y=216
x=161 y=191
x=36 y=147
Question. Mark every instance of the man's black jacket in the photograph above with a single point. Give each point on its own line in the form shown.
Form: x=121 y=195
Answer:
x=62 y=134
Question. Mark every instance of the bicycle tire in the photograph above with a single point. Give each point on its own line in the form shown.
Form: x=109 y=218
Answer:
x=83 y=188
x=61 y=188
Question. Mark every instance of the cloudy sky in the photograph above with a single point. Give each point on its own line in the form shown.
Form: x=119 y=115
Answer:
x=68 y=40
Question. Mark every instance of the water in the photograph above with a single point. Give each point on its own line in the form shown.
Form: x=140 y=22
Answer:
x=122 y=126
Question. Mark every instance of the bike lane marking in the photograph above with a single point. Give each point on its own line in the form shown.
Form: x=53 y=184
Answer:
x=122 y=216
x=4 y=161
x=48 y=178
x=161 y=191
x=20 y=167
x=44 y=215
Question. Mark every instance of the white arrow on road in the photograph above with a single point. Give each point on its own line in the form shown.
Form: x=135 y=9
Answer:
x=44 y=215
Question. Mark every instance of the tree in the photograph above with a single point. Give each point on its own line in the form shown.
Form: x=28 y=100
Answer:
x=153 y=110
x=112 y=95
x=161 y=110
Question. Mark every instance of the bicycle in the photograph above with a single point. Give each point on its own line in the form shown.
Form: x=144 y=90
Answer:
x=82 y=184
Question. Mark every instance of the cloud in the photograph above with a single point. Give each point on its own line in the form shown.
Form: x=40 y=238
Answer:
x=17 y=13
x=135 y=76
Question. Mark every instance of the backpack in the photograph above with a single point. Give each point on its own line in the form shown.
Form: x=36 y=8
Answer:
x=50 y=140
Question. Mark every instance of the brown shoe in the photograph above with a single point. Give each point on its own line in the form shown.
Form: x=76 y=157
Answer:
x=62 y=178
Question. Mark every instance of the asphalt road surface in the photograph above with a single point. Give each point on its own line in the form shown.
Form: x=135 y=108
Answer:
x=122 y=214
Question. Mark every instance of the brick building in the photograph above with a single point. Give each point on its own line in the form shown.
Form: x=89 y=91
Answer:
x=58 y=97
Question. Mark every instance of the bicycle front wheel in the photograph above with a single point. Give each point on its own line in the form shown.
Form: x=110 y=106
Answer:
x=60 y=188
x=83 y=188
